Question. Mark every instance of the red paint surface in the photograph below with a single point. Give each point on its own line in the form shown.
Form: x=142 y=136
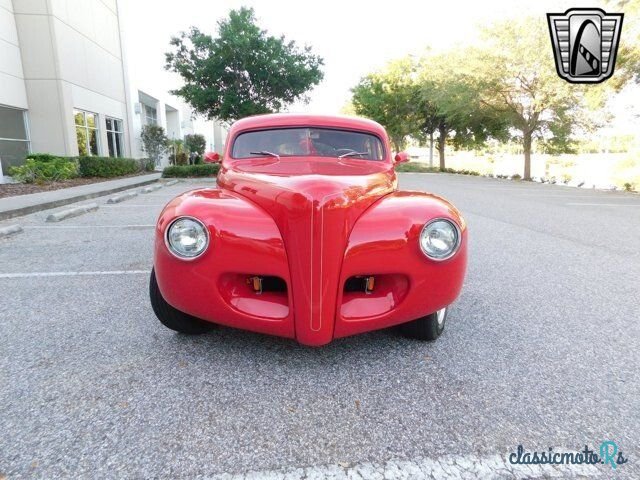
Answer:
x=313 y=222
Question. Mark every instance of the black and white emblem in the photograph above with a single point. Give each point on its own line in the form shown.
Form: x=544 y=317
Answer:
x=585 y=43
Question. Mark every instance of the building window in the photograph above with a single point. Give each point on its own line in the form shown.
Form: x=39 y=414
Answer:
x=115 y=139
x=86 y=132
x=150 y=115
x=14 y=138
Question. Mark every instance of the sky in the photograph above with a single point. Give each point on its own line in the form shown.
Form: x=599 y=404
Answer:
x=353 y=37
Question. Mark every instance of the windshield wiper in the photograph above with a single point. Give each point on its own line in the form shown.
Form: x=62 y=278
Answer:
x=351 y=154
x=265 y=152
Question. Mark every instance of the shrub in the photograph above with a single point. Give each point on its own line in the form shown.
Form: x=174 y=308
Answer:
x=516 y=177
x=107 y=167
x=182 y=158
x=45 y=168
x=415 y=167
x=628 y=187
x=146 y=164
x=48 y=157
x=205 y=170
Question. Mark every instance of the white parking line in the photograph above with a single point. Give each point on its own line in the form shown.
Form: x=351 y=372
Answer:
x=606 y=204
x=60 y=227
x=74 y=274
x=449 y=467
x=124 y=205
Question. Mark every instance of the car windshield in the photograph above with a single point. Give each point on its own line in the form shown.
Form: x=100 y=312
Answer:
x=308 y=142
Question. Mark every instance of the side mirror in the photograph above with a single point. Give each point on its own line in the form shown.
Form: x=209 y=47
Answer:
x=401 y=157
x=212 y=157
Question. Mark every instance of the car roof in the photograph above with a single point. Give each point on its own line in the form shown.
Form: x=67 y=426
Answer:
x=258 y=122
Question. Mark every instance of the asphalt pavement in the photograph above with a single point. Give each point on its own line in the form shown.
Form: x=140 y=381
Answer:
x=541 y=350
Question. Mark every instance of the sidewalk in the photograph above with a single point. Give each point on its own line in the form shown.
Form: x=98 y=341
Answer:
x=24 y=204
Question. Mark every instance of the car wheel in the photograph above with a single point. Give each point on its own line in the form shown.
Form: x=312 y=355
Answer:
x=171 y=317
x=426 y=328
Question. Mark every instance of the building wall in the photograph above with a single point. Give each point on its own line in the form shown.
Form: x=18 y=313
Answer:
x=71 y=57
x=57 y=56
x=13 y=92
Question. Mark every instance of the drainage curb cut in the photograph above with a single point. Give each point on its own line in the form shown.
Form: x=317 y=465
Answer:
x=72 y=212
x=122 y=197
x=10 y=230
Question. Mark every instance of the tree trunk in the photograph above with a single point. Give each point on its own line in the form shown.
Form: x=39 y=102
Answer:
x=526 y=144
x=431 y=148
x=442 y=140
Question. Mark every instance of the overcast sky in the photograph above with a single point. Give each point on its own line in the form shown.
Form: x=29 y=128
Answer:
x=353 y=37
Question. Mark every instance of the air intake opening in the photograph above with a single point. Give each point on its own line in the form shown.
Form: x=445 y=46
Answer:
x=360 y=283
x=260 y=284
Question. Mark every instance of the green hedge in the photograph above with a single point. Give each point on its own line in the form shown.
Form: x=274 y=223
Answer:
x=107 y=166
x=205 y=170
x=41 y=168
x=415 y=167
x=422 y=168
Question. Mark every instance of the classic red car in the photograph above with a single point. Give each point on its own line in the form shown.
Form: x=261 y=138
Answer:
x=308 y=237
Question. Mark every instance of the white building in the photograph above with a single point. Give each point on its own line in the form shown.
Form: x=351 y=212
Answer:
x=65 y=87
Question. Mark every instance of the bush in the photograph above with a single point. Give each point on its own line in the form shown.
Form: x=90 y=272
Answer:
x=182 y=158
x=45 y=168
x=415 y=167
x=47 y=157
x=107 y=167
x=146 y=164
x=516 y=176
x=205 y=170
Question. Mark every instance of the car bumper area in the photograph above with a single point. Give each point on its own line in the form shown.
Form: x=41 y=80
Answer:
x=375 y=277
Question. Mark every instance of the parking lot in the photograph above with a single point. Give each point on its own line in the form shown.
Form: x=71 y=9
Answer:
x=541 y=350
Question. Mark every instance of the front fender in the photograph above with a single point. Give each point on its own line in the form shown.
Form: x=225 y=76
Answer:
x=243 y=241
x=385 y=243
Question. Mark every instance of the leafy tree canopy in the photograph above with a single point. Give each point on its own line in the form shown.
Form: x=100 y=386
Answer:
x=195 y=143
x=243 y=71
x=389 y=97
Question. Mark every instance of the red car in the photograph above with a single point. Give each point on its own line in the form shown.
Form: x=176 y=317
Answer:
x=308 y=237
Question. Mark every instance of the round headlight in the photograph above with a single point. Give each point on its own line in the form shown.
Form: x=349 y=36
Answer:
x=440 y=239
x=187 y=238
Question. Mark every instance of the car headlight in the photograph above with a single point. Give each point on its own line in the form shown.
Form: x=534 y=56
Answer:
x=440 y=239
x=187 y=238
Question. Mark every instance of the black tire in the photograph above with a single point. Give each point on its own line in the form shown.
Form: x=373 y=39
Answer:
x=171 y=317
x=426 y=328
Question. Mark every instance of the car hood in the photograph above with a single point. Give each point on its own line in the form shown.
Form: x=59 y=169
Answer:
x=315 y=212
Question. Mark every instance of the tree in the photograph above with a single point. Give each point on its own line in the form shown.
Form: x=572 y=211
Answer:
x=243 y=71
x=154 y=142
x=448 y=106
x=628 y=62
x=195 y=143
x=389 y=97
x=513 y=75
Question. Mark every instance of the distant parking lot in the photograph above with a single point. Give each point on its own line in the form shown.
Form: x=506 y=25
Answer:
x=541 y=350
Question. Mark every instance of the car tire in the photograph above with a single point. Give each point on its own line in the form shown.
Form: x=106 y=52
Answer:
x=171 y=317
x=426 y=328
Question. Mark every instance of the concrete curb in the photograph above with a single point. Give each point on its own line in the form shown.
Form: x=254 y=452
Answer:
x=150 y=189
x=47 y=205
x=122 y=197
x=10 y=230
x=72 y=212
x=172 y=182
